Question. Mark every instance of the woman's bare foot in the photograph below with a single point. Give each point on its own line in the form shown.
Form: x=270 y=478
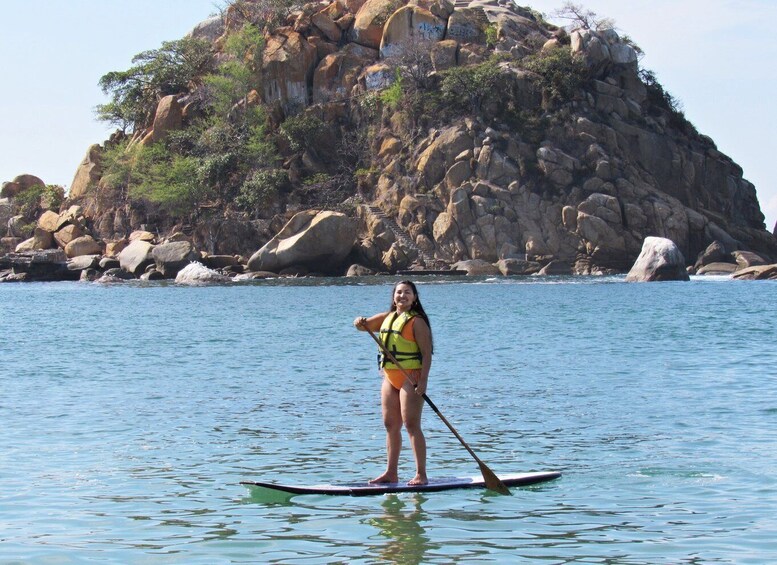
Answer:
x=384 y=479
x=418 y=480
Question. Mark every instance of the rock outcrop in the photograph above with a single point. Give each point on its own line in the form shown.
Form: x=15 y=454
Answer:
x=570 y=162
x=660 y=260
x=318 y=241
x=197 y=273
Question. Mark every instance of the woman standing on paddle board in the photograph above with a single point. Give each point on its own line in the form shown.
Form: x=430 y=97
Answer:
x=405 y=331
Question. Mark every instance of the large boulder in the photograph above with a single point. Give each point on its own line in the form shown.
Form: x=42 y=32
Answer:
x=325 y=20
x=83 y=262
x=477 y=267
x=370 y=20
x=68 y=233
x=745 y=259
x=467 y=25
x=758 y=272
x=168 y=117
x=49 y=221
x=438 y=157
x=660 y=260
x=288 y=61
x=337 y=73
x=511 y=266
x=88 y=173
x=170 y=258
x=317 y=240
x=197 y=273
x=9 y=190
x=714 y=253
x=40 y=240
x=26 y=181
x=136 y=257
x=84 y=245
x=208 y=30
x=409 y=25
x=720 y=268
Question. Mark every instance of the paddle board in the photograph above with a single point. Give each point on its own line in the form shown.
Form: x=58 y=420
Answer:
x=365 y=489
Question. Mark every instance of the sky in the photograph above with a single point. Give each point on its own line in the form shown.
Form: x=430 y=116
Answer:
x=715 y=56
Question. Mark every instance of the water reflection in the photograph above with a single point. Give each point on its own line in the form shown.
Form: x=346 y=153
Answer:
x=402 y=526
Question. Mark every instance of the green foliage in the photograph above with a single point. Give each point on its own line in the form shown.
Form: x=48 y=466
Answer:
x=226 y=87
x=262 y=189
x=391 y=97
x=53 y=196
x=117 y=168
x=561 y=75
x=365 y=172
x=155 y=73
x=492 y=35
x=303 y=131
x=246 y=44
x=631 y=43
x=154 y=175
x=662 y=100
x=656 y=93
x=368 y=104
x=469 y=88
x=235 y=78
x=28 y=200
x=170 y=181
x=317 y=179
x=226 y=154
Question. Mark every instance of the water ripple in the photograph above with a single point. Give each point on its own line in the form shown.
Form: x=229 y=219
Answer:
x=127 y=442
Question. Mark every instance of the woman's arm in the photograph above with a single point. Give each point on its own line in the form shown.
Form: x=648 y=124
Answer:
x=372 y=323
x=423 y=337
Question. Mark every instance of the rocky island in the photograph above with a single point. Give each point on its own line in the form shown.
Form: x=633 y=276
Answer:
x=357 y=137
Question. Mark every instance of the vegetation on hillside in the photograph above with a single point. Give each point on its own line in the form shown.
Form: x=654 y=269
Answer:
x=237 y=155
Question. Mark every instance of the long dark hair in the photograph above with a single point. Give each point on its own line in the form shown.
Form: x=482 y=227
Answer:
x=416 y=307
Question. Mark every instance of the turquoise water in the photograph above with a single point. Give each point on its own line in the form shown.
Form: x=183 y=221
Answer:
x=131 y=413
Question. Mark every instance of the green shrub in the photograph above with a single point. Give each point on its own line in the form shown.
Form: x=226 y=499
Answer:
x=492 y=35
x=662 y=100
x=172 y=182
x=392 y=96
x=234 y=79
x=303 y=131
x=561 y=75
x=155 y=73
x=470 y=87
x=261 y=190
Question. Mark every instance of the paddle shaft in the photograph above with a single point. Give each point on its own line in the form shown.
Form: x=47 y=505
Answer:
x=492 y=481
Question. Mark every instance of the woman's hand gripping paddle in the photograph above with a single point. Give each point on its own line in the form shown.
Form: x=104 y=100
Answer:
x=492 y=481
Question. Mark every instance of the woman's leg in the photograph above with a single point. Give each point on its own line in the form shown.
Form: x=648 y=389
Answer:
x=412 y=407
x=392 y=420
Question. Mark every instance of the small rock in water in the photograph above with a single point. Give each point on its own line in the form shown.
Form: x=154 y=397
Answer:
x=197 y=273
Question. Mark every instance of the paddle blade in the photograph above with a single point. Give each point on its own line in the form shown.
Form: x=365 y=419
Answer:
x=493 y=482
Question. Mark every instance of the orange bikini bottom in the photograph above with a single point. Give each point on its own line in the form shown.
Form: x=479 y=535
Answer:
x=397 y=378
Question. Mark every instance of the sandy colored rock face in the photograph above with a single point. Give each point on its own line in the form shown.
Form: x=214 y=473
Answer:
x=288 y=61
x=410 y=25
x=660 y=260
x=84 y=245
x=88 y=173
x=68 y=234
x=136 y=256
x=370 y=19
x=314 y=239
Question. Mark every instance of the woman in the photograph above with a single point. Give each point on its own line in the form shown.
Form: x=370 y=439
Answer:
x=406 y=332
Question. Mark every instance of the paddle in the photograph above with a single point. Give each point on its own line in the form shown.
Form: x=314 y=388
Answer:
x=492 y=481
